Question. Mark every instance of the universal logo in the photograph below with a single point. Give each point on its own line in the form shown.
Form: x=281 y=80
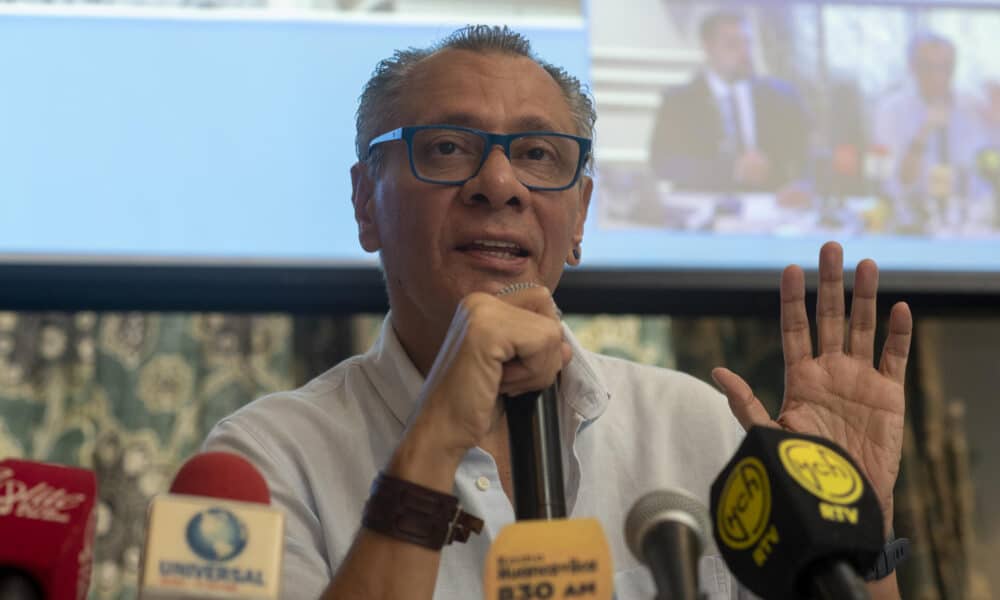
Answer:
x=216 y=534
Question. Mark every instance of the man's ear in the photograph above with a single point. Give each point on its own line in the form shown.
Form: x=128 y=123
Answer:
x=363 y=199
x=583 y=204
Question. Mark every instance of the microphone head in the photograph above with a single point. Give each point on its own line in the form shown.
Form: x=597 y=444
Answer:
x=660 y=506
x=48 y=510
x=214 y=535
x=785 y=504
x=18 y=585
x=222 y=475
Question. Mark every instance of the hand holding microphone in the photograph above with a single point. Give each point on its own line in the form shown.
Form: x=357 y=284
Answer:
x=511 y=344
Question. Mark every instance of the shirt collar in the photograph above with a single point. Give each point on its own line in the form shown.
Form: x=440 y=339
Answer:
x=720 y=87
x=398 y=382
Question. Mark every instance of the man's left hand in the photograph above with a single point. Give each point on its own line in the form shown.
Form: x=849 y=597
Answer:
x=839 y=394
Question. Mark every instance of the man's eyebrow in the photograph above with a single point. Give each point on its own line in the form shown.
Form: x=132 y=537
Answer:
x=536 y=123
x=461 y=119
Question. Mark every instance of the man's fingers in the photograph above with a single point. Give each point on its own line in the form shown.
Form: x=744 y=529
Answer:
x=538 y=359
x=795 y=340
x=536 y=299
x=830 y=299
x=897 y=344
x=745 y=406
x=862 y=331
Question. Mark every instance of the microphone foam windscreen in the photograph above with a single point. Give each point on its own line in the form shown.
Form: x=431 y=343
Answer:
x=664 y=505
x=222 y=475
x=785 y=503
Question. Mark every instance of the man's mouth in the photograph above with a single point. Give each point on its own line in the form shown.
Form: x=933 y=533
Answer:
x=495 y=249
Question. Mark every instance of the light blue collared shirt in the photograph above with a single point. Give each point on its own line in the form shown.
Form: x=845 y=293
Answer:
x=631 y=429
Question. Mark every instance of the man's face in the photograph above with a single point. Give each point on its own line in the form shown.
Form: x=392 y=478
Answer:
x=934 y=67
x=435 y=239
x=728 y=51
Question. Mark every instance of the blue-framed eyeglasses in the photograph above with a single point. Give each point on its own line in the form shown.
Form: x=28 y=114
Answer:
x=452 y=155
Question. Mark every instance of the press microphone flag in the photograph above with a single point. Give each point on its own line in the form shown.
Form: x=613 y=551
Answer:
x=544 y=555
x=214 y=536
x=47 y=522
x=556 y=559
x=794 y=517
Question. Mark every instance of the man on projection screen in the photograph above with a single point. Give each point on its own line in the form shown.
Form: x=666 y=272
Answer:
x=460 y=203
x=730 y=129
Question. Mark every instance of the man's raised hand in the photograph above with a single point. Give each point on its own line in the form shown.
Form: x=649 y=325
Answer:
x=838 y=394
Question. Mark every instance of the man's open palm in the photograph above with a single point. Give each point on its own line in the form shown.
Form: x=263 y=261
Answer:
x=838 y=394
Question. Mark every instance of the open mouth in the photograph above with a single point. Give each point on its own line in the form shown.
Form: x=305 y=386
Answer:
x=495 y=249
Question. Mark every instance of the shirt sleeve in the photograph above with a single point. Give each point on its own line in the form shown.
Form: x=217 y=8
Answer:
x=304 y=571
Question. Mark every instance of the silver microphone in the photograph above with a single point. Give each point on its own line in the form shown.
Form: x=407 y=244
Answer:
x=666 y=531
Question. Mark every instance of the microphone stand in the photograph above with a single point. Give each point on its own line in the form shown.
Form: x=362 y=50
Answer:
x=536 y=454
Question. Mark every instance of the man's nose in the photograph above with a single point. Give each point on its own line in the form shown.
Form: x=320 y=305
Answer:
x=496 y=183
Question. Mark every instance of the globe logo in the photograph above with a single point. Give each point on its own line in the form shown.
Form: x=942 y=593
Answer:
x=216 y=534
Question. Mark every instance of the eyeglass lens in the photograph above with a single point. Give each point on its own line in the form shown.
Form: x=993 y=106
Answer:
x=449 y=155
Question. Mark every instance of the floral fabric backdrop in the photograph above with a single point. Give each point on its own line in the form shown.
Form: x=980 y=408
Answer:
x=132 y=395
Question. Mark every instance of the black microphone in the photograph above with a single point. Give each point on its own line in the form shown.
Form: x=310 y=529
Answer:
x=536 y=454
x=665 y=530
x=795 y=518
x=15 y=584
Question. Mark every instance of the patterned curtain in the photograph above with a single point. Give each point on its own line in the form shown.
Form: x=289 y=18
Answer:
x=131 y=395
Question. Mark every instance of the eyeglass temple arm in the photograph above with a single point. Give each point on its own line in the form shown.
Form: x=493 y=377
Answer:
x=395 y=134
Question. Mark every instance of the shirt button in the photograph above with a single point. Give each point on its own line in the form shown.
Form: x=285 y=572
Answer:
x=483 y=483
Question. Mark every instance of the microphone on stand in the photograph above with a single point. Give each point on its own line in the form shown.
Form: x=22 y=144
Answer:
x=15 y=584
x=795 y=518
x=47 y=523
x=214 y=536
x=665 y=530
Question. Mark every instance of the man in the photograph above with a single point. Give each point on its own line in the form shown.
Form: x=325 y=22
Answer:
x=473 y=230
x=728 y=130
x=933 y=137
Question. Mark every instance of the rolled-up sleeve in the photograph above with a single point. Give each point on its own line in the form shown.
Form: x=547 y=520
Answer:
x=304 y=571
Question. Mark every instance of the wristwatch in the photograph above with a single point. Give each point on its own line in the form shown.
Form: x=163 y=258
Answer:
x=893 y=553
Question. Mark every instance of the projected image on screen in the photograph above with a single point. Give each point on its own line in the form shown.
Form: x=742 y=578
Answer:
x=340 y=8
x=806 y=119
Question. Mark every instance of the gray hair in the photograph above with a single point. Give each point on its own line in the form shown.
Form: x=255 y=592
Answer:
x=927 y=38
x=381 y=96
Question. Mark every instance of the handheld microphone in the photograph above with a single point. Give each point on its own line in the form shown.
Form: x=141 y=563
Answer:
x=543 y=554
x=47 y=522
x=665 y=530
x=214 y=535
x=536 y=454
x=794 y=517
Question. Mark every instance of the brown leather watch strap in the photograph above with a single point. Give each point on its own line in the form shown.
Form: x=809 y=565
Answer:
x=413 y=513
